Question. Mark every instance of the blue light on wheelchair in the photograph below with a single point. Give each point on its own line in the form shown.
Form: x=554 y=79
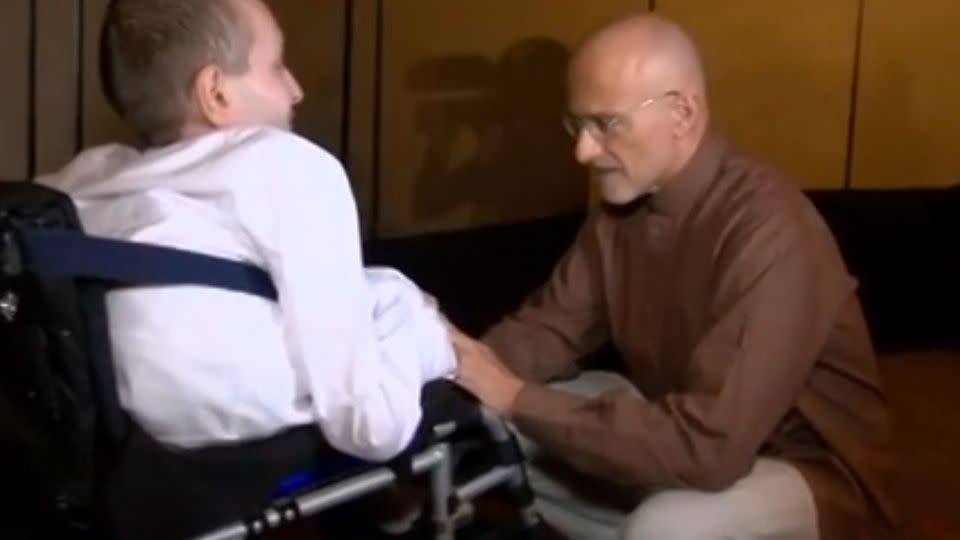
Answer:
x=296 y=482
x=327 y=471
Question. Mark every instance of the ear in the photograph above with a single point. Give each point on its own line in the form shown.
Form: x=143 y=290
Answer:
x=212 y=97
x=686 y=110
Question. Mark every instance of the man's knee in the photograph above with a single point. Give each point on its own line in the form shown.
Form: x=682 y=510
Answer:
x=588 y=384
x=670 y=515
x=772 y=502
x=595 y=382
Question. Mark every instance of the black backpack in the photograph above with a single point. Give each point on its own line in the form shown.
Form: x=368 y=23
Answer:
x=59 y=415
x=68 y=447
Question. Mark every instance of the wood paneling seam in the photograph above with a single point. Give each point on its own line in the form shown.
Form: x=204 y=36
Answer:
x=854 y=91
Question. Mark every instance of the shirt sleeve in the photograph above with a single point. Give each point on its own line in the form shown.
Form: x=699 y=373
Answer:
x=778 y=297
x=364 y=392
x=560 y=322
x=408 y=323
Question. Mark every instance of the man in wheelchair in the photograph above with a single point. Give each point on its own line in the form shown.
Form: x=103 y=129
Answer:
x=305 y=369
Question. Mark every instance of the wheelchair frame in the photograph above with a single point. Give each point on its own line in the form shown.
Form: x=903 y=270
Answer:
x=450 y=503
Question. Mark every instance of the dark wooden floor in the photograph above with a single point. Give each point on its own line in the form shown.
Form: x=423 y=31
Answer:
x=924 y=389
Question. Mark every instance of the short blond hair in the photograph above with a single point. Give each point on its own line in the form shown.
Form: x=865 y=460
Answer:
x=152 y=50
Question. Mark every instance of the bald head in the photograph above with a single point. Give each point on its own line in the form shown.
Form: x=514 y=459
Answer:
x=643 y=51
x=637 y=100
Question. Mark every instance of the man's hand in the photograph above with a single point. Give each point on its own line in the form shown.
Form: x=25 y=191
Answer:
x=482 y=373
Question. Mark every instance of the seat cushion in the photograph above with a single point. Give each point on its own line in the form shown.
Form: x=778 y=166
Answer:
x=158 y=492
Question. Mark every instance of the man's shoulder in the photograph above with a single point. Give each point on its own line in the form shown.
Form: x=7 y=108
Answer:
x=287 y=147
x=754 y=190
x=759 y=206
x=278 y=160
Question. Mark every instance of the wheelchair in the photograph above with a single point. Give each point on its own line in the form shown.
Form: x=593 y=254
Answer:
x=80 y=467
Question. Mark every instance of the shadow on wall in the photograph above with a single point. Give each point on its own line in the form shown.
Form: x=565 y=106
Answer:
x=494 y=141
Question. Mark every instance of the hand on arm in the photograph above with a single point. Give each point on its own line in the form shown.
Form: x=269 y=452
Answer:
x=481 y=373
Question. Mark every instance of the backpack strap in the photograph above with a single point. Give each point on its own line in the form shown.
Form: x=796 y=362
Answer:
x=120 y=263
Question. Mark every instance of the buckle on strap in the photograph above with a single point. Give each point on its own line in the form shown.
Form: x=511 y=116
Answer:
x=9 y=305
x=11 y=261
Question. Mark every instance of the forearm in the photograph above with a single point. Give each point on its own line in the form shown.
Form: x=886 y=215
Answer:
x=534 y=354
x=625 y=439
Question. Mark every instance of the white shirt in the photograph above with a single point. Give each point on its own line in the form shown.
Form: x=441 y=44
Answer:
x=346 y=348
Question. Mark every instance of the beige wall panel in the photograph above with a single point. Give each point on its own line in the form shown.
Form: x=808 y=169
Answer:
x=56 y=83
x=314 y=50
x=361 y=109
x=781 y=76
x=472 y=96
x=13 y=91
x=100 y=124
x=908 y=105
x=315 y=42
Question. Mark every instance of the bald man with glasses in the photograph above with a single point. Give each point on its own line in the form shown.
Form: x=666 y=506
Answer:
x=747 y=402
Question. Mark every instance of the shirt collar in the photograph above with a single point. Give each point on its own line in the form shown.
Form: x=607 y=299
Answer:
x=678 y=193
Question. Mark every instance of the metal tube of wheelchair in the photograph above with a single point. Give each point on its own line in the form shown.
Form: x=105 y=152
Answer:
x=363 y=484
x=441 y=490
x=230 y=532
x=495 y=425
x=485 y=482
x=312 y=503
x=524 y=495
x=516 y=475
x=328 y=497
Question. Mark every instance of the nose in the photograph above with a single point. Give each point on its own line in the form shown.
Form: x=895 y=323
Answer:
x=587 y=148
x=296 y=92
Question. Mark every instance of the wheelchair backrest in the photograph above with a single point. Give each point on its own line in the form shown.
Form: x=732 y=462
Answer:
x=59 y=410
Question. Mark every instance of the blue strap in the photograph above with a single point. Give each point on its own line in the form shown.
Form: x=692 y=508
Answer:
x=63 y=253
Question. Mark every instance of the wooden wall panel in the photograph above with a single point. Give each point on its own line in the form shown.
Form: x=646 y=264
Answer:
x=360 y=144
x=908 y=102
x=781 y=78
x=472 y=95
x=57 y=54
x=315 y=50
x=100 y=124
x=13 y=92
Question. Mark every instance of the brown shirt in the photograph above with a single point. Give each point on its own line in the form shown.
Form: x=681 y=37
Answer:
x=730 y=304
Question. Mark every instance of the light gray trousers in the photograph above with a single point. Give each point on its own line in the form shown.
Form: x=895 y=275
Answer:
x=773 y=502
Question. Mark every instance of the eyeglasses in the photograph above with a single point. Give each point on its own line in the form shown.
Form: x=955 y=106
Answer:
x=602 y=125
